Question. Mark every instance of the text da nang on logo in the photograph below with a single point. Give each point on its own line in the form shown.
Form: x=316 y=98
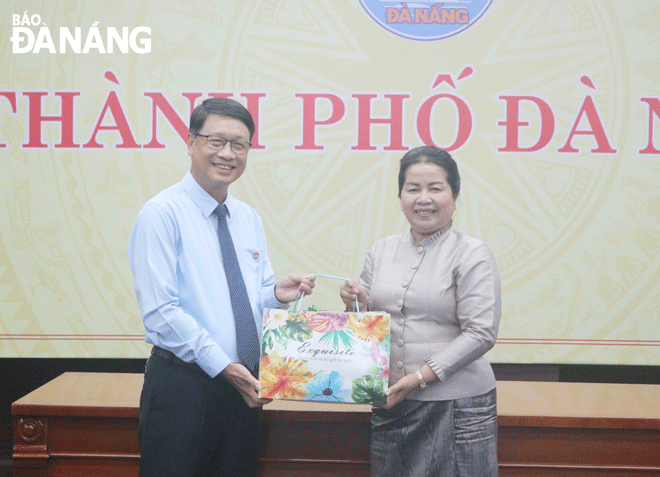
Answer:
x=31 y=35
x=424 y=19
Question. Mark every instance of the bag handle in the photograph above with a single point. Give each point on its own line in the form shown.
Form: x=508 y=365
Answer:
x=296 y=307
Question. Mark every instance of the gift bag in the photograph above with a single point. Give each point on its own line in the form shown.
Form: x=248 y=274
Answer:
x=325 y=356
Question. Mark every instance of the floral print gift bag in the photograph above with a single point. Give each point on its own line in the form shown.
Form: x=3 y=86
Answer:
x=325 y=356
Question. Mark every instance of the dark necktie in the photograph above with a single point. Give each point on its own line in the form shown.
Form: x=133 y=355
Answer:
x=247 y=339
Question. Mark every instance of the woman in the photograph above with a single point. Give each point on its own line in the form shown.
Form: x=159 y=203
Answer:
x=442 y=290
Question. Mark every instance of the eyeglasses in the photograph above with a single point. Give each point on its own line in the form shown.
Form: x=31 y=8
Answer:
x=218 y=143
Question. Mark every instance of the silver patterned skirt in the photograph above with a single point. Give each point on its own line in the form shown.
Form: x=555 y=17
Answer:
x=455 y=438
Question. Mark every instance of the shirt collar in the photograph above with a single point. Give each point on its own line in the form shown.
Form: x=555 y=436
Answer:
x=432 y=238
x=202 y=199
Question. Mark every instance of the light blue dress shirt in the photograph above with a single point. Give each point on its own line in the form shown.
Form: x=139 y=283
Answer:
x=179 y=278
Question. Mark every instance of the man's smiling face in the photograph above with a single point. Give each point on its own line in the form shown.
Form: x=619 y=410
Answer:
x=215 y=170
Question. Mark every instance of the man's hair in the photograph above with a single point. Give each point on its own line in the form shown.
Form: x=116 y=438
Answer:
x=221 y=107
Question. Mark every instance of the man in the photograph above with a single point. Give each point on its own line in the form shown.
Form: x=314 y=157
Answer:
x=200 y=414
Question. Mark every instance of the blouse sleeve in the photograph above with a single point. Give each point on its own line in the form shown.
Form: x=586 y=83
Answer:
x=367 y=274
x=479 y=309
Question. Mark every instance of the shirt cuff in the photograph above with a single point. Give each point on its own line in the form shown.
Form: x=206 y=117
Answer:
x=439 y=372
x=214 y=362
x=275 y=303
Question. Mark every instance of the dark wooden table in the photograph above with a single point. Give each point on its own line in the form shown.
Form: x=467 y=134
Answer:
x=86 y=424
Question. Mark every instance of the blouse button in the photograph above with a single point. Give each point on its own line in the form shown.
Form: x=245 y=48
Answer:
x=399 y=343
x=399 y=303
x=420 y=249
x=399 y=364
x=400 y=322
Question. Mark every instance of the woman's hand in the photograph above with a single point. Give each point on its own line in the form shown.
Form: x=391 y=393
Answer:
x=350 y=291
x=399 y=390
x=407 y=384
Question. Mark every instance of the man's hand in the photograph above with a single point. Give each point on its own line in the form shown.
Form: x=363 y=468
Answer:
x=238 y=376
x=288 y=288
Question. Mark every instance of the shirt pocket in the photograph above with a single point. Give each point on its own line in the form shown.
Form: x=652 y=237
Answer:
x=252 y=261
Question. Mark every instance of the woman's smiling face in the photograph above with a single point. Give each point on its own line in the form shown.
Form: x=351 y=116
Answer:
x=427 y=199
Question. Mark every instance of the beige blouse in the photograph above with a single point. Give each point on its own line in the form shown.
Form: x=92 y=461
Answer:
x=444 y=299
